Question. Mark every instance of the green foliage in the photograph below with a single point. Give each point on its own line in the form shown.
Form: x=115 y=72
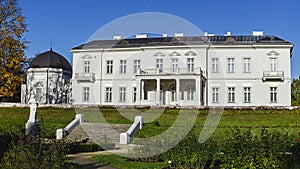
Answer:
x=76 y=147
x=296 y=92
x=240 y=149
x=34 y=153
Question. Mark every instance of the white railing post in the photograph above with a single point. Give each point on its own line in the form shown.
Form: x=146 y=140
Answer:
x=60 y=133
x=126 y=138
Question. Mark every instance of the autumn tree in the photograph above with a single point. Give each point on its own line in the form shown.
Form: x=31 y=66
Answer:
x=12 y=46
x=296 y=92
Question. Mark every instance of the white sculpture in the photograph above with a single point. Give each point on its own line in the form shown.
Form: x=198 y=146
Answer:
x=32 y=125
x=32 y=116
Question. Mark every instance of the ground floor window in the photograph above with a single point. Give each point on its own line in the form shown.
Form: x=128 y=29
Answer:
x=108 y=94
x=86 y=94
x=231 y=94
x=247 y=94
x=190 y=92
x=215 y=94
x=273 y=94
x=122 y=92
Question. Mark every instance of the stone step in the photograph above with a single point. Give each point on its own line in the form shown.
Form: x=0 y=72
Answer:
x=99 y=132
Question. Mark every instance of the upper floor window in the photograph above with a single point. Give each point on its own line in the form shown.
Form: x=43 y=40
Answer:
x=273 y=94
x=159 y=64
x=215 y=65
x=86 y=94
x=273 y=64
x=122 y=66
x=174 y=65
x=87 y=66
x=230 y=65
x=247 y=65
x=231 y=94
x=190 y=64
x=136 y=66
x=109 y=67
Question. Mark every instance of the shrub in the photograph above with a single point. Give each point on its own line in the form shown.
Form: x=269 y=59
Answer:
x=34 y=153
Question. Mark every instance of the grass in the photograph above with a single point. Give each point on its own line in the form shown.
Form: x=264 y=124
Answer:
x=156 y=121
x=124 y=163
x=14 y=119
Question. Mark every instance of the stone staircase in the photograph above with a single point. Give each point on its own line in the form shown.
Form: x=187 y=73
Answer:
x=98 y=132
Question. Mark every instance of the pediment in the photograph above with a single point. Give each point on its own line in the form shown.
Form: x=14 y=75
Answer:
x=87 y=57
x=190 y=53
x=273 y=53
x=175 y=54
x=159 y=54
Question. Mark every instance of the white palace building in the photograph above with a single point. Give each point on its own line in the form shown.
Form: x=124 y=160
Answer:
x=209 y=70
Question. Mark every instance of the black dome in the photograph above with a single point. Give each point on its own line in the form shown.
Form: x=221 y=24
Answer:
x=50 y=59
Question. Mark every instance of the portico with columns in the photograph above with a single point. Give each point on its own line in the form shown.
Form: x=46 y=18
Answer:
x=174 y=90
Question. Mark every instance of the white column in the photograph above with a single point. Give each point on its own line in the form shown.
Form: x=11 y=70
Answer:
x=158 y=91
x=138 y=90
x=197 y=88
x=177 y=91
x=142 y=90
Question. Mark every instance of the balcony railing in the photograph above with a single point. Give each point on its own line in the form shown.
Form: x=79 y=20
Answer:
x=273 y=76
x=85 y=77
x=157 y=71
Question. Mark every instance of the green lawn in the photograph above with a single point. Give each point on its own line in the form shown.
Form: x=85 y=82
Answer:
x=14 y=119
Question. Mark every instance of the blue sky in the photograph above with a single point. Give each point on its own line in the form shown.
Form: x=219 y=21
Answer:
x=68 y=23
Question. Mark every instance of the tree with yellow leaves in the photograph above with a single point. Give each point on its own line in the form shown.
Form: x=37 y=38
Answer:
x=12 y=46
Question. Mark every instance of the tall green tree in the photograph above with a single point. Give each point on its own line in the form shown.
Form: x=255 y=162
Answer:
x=12 y=46
x=296 y=92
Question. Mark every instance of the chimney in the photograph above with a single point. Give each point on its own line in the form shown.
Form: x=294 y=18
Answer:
x=179 y=35
x=258 y=33
x=208 y=34
x=117 y=37
x=228 y=34
x=139 y=36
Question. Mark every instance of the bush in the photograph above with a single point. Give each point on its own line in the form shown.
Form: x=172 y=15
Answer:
x=77 y=147
x=34 y=153
x=240 y=149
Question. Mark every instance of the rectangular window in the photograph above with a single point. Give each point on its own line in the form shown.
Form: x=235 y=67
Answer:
x=215 y=65
x=230 y=65
x=215 y=94
x=134 y=94
x=174 y=65
x=87 y=66
x=190 y=92
x=190 y=64
x=273 y=94
x=109 y=67
x=247 y=65
x=122 y=92
x=108 y=94
x=136 y=66
x=273 y=64
x=247 y=94
x=231 y=94
x=159 y=64
x=86 y=94
x=38 y=94
x=122 y=66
